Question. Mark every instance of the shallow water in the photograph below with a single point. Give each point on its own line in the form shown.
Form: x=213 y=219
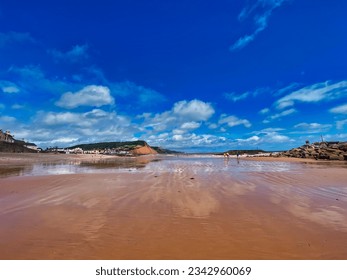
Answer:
x=200 y=164
x=74 y=167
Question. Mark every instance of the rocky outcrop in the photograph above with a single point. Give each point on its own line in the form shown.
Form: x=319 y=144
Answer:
x=143 y=150
x=322 y=150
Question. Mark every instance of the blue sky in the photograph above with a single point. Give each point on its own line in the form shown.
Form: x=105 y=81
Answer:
x=192 y=75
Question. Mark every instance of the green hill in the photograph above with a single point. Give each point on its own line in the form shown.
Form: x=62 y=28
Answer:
x=110 y=145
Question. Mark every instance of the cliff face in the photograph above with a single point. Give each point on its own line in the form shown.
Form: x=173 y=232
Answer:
x=6 y=147
x=144 y=150
x=323 y=150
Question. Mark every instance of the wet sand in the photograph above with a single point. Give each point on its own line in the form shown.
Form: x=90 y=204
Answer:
x=178 y=208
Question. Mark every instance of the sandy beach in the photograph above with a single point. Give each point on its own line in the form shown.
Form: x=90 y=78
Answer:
x=89 y=207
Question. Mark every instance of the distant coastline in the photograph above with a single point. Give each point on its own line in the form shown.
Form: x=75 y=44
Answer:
x=333 y=150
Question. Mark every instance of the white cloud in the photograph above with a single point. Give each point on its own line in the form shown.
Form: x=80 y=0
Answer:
x=270 y=137
x=212 y=126
x=64 y=140
x=183 y=115
x=260 y=12
x=314 y=93
x=177 y=137
x=312 y=127
x=277 y=138
x=288 y=89
x=190 y=125
x=285 y=104
x=339 y=109
x=187 y=141
x=194 y=110
x=232 y=121
x=279 y=115
x=52 y=118
x=91 y=95
x=9 y=87
x=92 y=126
x=243 y=41
x=95 y=118
x=264 y=111
x=248 y=140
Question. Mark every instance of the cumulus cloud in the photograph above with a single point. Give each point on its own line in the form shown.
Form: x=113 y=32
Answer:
x=259 y=11
x=264 y=138
x=64 y=118
x=92 y=126
x=342 y=109
x=194 y=110
x=314 y=93
x=183 y=115
x=188 y=141
x=271 y=135
x=92 y=95
x=190 y=125
x=232 y=121
x=173 y=128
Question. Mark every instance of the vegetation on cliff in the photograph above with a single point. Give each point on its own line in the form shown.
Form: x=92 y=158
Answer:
x=127 y=145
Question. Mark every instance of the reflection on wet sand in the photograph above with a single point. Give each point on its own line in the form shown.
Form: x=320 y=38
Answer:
x=176 y=208
x=14 y=170
x=74 y=166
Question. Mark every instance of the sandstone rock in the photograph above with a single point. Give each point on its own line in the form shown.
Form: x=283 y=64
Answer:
x=324 y=150
x=334 y=157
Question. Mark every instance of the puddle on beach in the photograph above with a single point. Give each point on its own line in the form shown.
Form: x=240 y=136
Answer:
x=74 y=167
